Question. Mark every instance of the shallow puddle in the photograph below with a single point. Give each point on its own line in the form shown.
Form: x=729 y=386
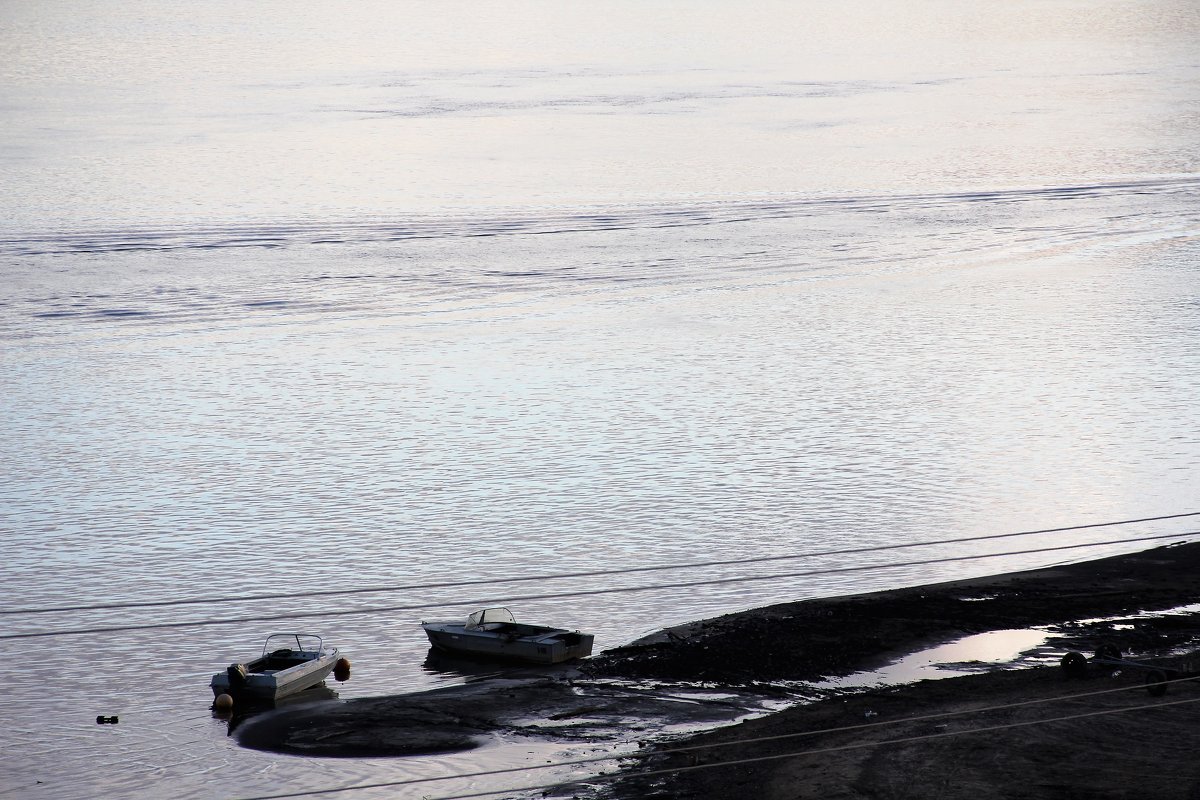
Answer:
x=961 y=657
x=1178 y=611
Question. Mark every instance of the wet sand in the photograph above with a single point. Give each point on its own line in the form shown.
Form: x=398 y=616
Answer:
x=938 y=739
x=715 y=671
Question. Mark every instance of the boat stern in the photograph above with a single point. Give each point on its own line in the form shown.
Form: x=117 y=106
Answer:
x=569 y=646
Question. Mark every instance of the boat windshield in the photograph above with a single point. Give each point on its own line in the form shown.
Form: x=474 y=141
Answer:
x=299 y=642
x=481 y=618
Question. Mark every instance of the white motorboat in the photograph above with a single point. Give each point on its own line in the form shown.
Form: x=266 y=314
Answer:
x=290 y=663
x=495 y=633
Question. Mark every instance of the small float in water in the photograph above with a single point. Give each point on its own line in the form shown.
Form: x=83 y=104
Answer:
x=495 y=633
x=290 y=663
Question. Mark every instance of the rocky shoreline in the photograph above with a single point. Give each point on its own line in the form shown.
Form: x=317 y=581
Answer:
x=745 y=660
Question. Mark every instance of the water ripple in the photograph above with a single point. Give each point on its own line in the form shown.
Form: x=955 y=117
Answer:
x=291 y=234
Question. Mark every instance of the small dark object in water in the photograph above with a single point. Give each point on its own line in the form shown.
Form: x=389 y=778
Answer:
x=103 y=720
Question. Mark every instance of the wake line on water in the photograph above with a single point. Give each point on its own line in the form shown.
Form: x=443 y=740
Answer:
x=349 y=232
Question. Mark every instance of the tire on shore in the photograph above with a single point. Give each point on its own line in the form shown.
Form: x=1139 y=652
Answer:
x=1156 y=682
x=1074 y=665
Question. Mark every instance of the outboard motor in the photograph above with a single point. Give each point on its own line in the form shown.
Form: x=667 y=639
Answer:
x=237 y=675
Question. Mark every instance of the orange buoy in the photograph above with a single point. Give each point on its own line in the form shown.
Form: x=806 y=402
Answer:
x=224 y=702
x=341 y=669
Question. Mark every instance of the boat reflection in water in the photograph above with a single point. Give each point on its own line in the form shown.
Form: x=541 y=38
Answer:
x=247 y=707
x=441 y=662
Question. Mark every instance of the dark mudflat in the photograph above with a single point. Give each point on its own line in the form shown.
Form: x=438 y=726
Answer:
x=814 y=639
x=1137 y=752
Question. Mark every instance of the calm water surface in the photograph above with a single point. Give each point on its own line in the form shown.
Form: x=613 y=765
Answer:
x=324 y=299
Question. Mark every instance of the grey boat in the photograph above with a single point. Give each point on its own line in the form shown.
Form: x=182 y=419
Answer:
x=495 y=633
x=290 y=663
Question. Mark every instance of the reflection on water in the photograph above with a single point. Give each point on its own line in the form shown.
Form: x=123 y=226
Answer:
x=245 y=708
x=440 y=663
x=443 y=665
x=981 y=651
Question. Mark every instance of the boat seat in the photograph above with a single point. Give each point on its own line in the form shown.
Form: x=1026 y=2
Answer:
x=275 y=663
